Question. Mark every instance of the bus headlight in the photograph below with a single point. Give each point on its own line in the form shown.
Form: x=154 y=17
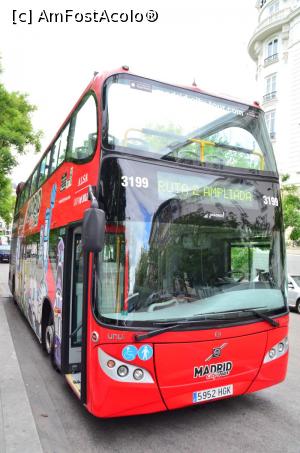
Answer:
x=138 y=374
x=272 y=353
x=278 y=350
x=122 y=371
x=280 y=347
x=111 y=363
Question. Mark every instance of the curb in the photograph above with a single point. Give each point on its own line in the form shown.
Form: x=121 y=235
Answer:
x=18 y=432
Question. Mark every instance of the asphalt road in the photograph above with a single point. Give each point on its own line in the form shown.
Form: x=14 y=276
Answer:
x=267 y=421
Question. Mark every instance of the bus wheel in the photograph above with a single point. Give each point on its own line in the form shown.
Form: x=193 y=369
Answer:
x=14 y=290
x=298 y=306
x=49 y=335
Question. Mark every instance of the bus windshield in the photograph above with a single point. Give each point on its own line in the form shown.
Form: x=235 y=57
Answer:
x=149 y=118
x=181 y=243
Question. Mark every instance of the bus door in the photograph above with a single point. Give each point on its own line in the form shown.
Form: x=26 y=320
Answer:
x=75 y=312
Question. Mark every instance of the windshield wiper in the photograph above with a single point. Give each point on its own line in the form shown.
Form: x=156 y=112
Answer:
x=186 y=323
x=206 y=317
x=152 y=333
x=266 y=318
x=254 y=311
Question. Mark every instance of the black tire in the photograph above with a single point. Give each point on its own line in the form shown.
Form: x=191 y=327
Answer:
x=47 y=329
x=13 y=289
x=48 y=336
x=298 y=306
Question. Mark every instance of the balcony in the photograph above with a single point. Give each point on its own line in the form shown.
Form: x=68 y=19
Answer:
x=278 y=16
x=270 y=96
x=271 y=59
x=270 y=25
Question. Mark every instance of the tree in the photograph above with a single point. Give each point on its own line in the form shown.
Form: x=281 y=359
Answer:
x=7 y=201
x=16 y=133
x=291 y=208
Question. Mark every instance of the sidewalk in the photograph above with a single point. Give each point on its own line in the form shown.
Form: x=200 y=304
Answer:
x=18 y=433
x=293 y=250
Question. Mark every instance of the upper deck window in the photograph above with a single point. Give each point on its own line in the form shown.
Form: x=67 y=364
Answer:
x=34 y=182
x=25 y=193
x=148 y=118
x=45 y=164
x=83 y=132
x=59 y=149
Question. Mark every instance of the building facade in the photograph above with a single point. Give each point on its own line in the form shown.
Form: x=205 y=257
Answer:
x=5 y=232
x=275 y=48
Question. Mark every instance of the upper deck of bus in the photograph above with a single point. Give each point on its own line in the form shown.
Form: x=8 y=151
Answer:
x=67 y=170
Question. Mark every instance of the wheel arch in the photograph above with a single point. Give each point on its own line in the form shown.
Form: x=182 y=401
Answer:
x=46 y=311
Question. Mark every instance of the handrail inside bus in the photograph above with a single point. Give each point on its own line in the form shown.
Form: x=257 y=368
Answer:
x=131 y=129
x=203 y=143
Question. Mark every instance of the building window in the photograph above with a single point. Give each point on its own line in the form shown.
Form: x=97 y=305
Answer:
x=270 y=122
x=274 y=7
x=271 y=51
x=270 y=87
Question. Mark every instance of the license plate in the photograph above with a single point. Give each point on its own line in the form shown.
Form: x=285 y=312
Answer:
x=212 y=394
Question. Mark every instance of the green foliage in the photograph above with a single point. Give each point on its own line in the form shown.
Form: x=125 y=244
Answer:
x=7 y=200
x=291 y=208
x=240 y=259
x=16 y=133
x=15 y=123
x=295 y=234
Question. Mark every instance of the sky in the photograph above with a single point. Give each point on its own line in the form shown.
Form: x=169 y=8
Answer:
x=201 y=40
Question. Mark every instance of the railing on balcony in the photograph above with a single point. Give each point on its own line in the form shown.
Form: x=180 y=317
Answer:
x=270 y=96
x=271 y=59
x=279 y=15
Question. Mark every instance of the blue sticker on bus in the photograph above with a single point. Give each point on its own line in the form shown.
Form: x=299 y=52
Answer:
x=145 y=352
x=129 y=352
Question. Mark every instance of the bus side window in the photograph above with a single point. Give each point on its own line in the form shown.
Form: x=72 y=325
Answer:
x=27 y=190
x=25 y=193
x=83 y=134
x=17 y=204
x=21 y=202
x=54 y=156
x=44 y=168
x=59 y=149
x=34 y=182
x=63 y=141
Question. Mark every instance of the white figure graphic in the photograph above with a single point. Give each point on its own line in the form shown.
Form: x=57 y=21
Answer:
x=146 y=353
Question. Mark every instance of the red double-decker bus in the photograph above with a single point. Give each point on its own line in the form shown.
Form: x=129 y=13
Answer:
x=148 y=250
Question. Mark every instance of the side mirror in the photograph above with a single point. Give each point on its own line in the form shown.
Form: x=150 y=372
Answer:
x=93 y=230
x=290 y=285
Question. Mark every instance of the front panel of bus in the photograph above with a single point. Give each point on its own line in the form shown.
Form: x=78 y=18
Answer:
x=189 y=300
